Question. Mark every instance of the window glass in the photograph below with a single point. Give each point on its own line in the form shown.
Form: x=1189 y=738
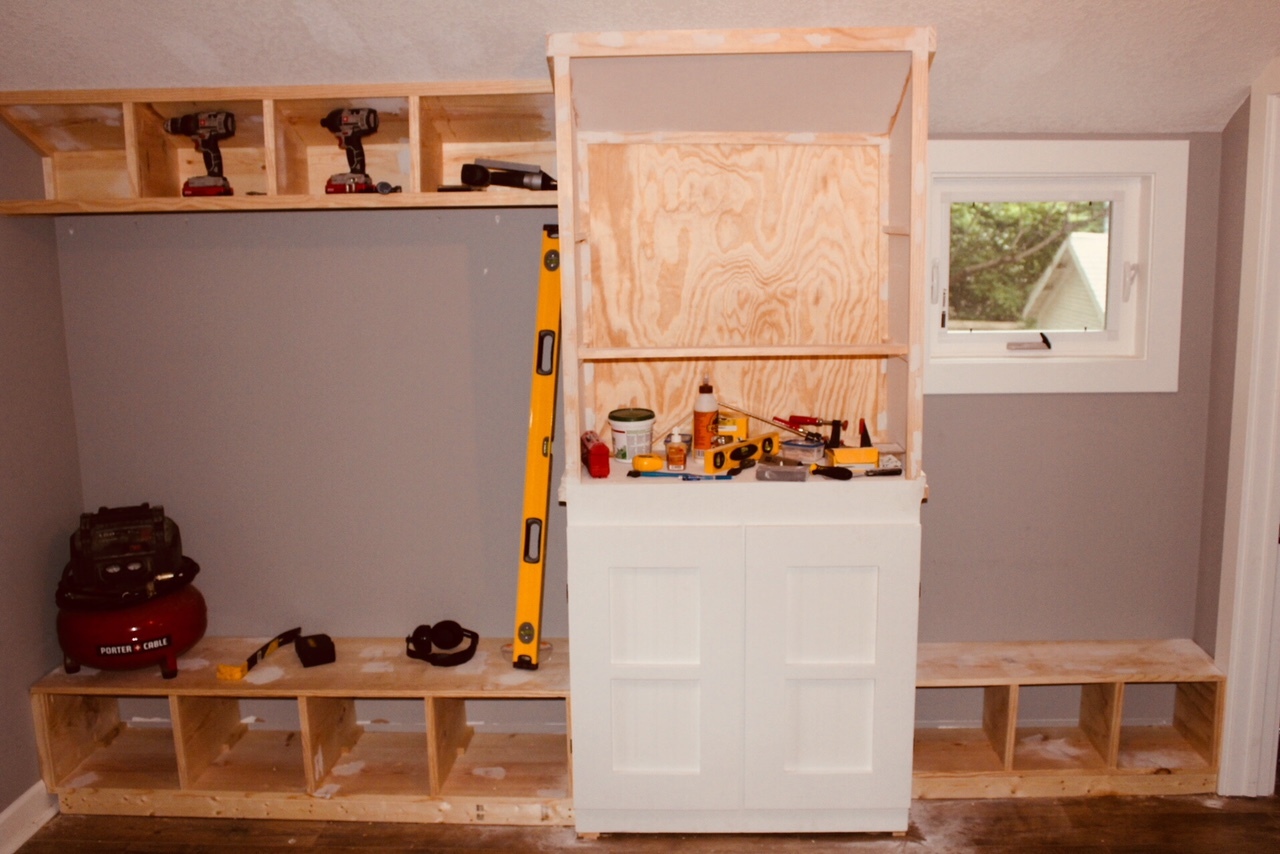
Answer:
x=1028 y=265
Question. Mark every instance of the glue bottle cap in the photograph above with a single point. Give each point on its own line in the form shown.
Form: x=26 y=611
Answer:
x=705 y=388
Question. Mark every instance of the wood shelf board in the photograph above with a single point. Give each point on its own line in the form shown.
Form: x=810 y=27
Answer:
x=755 y=41
x=511 y=764
x=1050 y=785
x=816 y=351
x=490 y=198
x=1056 y=749
x=953 y=665
x=380 y=763
x=285 y=805
x=134 y=758
x=1158 y=750
x=954 y=751
x=365 y=668
x=260 y=761
x=207 y=94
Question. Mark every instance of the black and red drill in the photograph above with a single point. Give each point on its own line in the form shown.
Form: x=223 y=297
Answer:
x=206 y=129
x=350 y=125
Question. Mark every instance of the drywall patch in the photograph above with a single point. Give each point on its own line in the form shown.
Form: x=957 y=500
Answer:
x=347 y=769
x=83 y=781
x=264 y=675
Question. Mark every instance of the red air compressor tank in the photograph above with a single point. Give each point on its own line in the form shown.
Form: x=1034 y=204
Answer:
x=125 y=600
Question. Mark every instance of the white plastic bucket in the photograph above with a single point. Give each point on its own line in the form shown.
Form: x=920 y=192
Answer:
x=632 y=430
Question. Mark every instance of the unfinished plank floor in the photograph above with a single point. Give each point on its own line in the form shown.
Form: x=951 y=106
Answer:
x=1193 y=824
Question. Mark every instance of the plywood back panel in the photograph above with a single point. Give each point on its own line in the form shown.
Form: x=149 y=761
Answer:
x=733 y=244
x=847 y=388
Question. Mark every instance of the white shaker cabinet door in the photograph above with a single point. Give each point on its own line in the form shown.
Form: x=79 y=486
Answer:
x=656 y=676
x=830 y=638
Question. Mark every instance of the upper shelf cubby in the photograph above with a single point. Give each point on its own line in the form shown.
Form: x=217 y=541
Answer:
x=106 y=151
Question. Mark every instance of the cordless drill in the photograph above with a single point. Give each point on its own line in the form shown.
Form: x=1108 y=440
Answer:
x=206 y=129
x=350 y=125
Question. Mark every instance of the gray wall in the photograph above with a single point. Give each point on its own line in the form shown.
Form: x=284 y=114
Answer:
x=331 y=405
x=39 y=472
x=1074 y=516
x=1226 y=307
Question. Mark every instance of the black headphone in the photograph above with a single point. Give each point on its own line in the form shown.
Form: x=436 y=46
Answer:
x=445 y=634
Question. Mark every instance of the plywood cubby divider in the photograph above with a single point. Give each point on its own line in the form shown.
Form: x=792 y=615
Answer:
x=1100 y=754
x=104 y=151
x=220 y=754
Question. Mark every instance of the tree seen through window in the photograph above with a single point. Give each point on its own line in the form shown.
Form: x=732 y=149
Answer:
x=1014 y=265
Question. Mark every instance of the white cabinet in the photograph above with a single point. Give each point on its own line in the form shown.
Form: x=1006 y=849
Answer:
x=743 y=677
x=745 y=205
x=660 y=713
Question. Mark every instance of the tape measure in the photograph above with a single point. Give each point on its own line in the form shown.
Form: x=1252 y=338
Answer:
x=239 y=671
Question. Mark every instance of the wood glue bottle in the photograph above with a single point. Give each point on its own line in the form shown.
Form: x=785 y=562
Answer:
x=706 y=414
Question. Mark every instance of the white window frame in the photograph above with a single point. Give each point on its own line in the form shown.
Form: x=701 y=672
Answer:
x=1146 y=181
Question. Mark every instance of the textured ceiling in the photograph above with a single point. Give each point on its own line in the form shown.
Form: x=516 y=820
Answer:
x=1031 y=66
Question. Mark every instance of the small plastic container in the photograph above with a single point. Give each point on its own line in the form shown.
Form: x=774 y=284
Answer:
x=677 y=445
x=803 y=450
x=632 y=429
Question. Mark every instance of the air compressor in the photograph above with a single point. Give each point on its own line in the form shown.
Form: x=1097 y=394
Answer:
x=125 y=599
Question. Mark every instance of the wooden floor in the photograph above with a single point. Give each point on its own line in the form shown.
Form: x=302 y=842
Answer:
x=1173 y=825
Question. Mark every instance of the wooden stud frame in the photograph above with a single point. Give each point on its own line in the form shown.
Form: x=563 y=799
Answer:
x=1101 y=754
x=212 y=762
x=106 y=151
x=728 y=220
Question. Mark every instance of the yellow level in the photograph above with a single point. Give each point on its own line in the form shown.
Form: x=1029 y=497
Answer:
x=537 y=473
x=723 y=458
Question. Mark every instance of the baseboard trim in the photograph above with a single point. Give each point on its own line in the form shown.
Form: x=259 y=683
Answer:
x=22 y=818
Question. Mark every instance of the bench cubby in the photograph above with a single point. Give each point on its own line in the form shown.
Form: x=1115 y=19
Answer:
x=294 y=742
x=1100 y=752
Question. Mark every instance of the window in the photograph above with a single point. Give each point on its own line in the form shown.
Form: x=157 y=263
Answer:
x=1055 y=266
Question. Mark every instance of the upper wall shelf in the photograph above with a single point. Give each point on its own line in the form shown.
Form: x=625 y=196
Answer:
x=107 y=151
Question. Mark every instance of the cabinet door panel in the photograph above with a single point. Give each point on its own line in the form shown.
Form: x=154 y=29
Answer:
x=656 y=674
x=830 y=673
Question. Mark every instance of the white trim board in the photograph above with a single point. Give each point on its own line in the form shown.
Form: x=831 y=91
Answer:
x=1248 y=635
x=22 y=818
